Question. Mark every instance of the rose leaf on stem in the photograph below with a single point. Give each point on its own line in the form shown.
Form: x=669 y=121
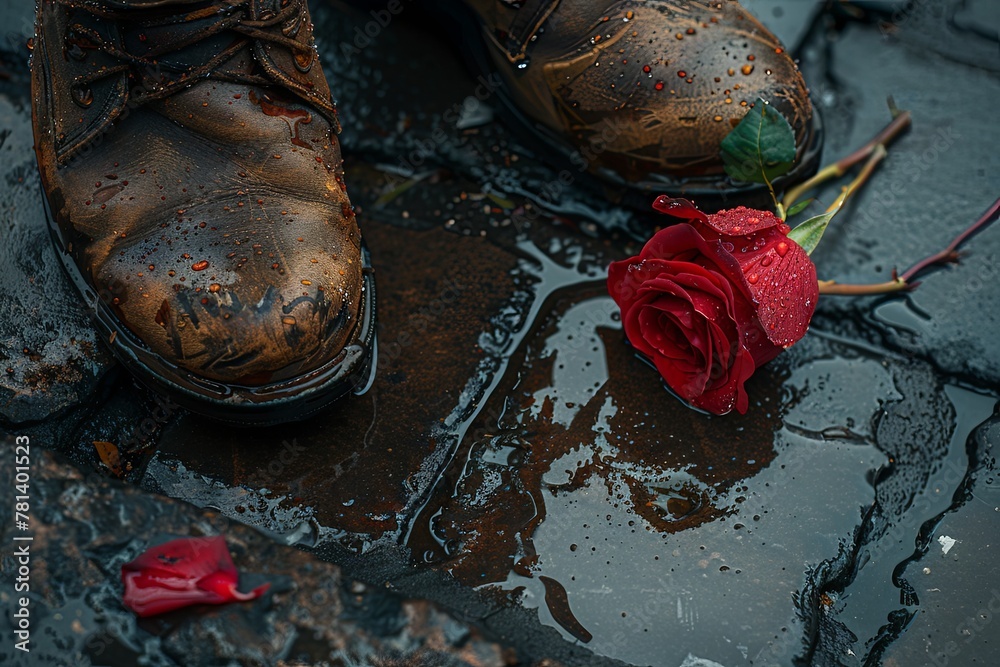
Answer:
x=798 y=208
x=761 y=147
x=809 y=233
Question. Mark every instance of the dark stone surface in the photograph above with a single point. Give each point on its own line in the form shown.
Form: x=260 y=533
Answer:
x=513 y=462
x=954 y=570
x=50 y=359
x=85 y=527
x=938 y=179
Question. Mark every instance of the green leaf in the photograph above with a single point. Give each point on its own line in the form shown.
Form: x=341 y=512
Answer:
x=798 y=208
x=761 y=147
x=808 y=233
x=502 y=202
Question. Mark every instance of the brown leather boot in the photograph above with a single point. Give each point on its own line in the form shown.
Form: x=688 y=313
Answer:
x=638 y=92
x=189 y=156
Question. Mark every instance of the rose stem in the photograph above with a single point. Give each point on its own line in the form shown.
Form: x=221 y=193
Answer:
x=950 y=254
x=904 y=281
x=899 y=123
x=878 y=154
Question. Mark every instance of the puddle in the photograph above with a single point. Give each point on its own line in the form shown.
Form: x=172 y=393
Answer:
x=587 y=492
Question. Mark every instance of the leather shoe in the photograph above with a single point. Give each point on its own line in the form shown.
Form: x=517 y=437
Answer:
x=639 y=93
x=189 y=156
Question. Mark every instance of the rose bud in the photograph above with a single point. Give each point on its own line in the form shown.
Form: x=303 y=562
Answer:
x=710 y=300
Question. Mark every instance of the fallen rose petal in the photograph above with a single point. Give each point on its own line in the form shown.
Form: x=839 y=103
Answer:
x=183 y=572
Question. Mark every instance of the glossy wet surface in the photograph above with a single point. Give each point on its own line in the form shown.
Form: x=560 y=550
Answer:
x=513 y=444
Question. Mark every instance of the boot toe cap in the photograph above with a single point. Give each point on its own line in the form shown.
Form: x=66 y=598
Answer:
x=658 y=93
x=242 y=308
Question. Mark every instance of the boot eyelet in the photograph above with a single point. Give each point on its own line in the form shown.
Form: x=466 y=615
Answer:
x=304 y=60
x=83 y=96
x=291 y=28
x=76 y=52
x=72 y=45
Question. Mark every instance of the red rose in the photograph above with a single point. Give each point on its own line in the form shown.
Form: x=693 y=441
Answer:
x=710 y=300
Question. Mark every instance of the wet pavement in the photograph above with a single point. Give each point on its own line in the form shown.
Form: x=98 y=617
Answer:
x=89 y=526
x=514 y=464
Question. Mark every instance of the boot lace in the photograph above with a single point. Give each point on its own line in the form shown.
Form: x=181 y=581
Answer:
x=233 y=16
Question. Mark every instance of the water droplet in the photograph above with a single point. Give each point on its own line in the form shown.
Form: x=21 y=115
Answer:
x=200 y=266
x=747 y=69
x=682 y=74
x=647 y=69
x=782 y=249
x=766 y=261
x=658 y=85
x=753 y=278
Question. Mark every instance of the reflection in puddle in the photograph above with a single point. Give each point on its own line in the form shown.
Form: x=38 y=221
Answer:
x=587 y=492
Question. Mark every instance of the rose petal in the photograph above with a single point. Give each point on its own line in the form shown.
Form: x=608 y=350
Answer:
x=782 y=280
x=742 y=221
x=731 y=395
x=678 y=208
x=779 y=274
x=182 y=572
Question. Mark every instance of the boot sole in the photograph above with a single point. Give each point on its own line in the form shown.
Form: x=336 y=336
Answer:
x=710 y=192
x=294 y=399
